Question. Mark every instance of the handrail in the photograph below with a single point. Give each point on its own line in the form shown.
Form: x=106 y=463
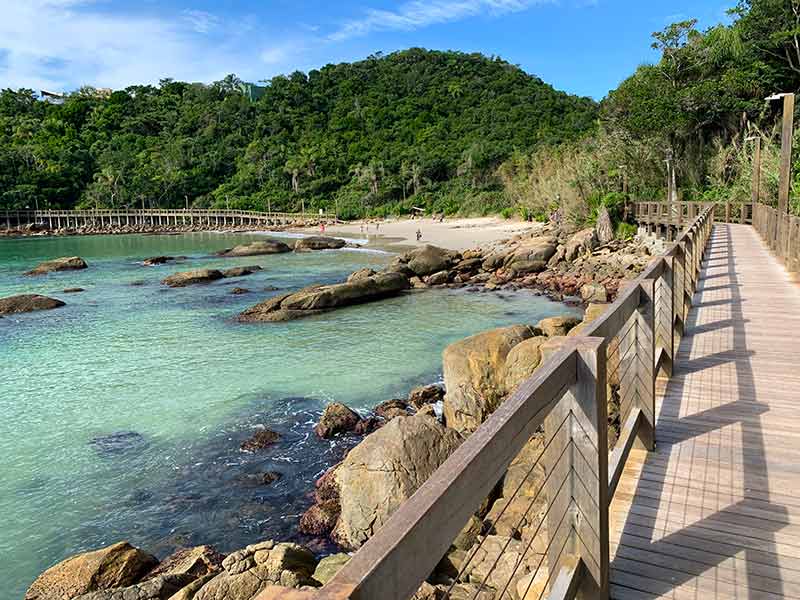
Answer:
x=619 y=356
x=781 y=232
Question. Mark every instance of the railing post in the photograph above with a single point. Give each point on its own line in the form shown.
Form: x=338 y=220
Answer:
x=586 y=501
x=645 y=362
x=665 y=340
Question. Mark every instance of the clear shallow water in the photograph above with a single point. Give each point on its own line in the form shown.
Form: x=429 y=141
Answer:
x=174 y=367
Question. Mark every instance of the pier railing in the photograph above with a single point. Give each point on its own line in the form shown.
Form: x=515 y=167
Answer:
x=551 y=537
x=781 y=232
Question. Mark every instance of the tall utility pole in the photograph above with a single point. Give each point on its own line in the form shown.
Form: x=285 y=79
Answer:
x=786 y=150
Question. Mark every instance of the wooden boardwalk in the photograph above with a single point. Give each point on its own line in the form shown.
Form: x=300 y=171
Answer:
x=714 y=512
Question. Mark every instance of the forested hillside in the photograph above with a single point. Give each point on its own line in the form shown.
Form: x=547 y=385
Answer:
x=416 y=127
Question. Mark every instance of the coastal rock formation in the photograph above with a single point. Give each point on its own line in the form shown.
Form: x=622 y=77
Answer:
x=27 y=303
x=158 y=588
x=318 y=242
x=73 y=290
x=474 y=375
x=118 y=565
x=256 y=248
x=329 y=566
x=320 y=518
x=580 y=243
x=604 y=228
x=195 y=562
x=263 y=438
x=249 y=571
x=389 y=409
x=336 y=418
x=557 y=326
x=238 y=291
x=593 y=292
x=384 y=470
x=315 y=299
x=522 y=360
x=425 y=394
x=428 y=259
x=185 y=278
x=240 y=271
x=66 y=263
x=157 y=260
x=360 y=274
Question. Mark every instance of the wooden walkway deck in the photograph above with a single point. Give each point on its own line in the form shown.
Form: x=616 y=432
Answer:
x=714 y=512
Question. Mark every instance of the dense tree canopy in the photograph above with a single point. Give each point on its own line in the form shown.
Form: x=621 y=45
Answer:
x=414 y=127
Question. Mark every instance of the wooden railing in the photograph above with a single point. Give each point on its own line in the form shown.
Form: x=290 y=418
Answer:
x=781 y=232
x=618 y=356
x=679 y=214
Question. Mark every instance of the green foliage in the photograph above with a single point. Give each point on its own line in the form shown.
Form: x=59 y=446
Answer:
x=624 y=231
x=414 y=128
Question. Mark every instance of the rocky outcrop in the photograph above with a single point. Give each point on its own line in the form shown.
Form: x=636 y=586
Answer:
x=240 y=271
x=329 y=566
x=66 y=263
x=580 y=243
x=557 y=326
x=384 y=470
x=318 y=242
x=336 y=418
x=249 y=571
x=118 y=565
x=73 y=290
x=263 y=438
x=157 y=260
x=320 y=518
x=389 y=409
x=426 y=394
x=593 y=292
x=360 y=274
x=195 y=562
x=185 y=278
x=428 y=259
x=522 y=360
x=474 y=375
x=315 y=299
x=256 y=248
x=162 y=587
x=27 y=303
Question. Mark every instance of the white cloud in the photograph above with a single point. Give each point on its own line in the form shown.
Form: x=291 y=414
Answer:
x=200 y=20
x=274 y=56
x=60 y=44
x=417 y=14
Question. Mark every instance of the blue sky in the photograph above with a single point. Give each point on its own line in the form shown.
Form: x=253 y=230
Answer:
x=582 y=46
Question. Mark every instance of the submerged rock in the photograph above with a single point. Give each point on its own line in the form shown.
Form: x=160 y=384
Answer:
x=27 y=303
x=318 y=242
x=240 y=271
x=118 y=565
x=256 y=248
x=117 y=442
x=185 y=278
x=157 y=260
x=261 y=439
x=238 y=291
x=66 y=263
x=315 y=299
x=73 y=290
x=336 y=418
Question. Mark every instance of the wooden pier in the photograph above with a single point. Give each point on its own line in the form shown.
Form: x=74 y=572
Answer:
x=154 y=218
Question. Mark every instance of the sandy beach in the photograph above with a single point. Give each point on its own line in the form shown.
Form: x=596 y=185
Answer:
x=455 y=234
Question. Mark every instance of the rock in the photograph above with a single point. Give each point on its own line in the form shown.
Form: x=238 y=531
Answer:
x=580 y=243
x=318 y=242
x=257 y=248
x=438 y=278
x=73 y=290
x=593 y=292
x=240 y=271
x=425 y=394
x=27 y=303
x=157 y=260
x=428 y=259
x=532 y=586
x=429 y=411
x=557 y=326
x=368 y=425
x=67 y=263
x=603 y=228
x=467 y=591
x=185 y=278
x=469 y=534
x=314 y=299
x=249 y=571
x=188 y=592
x=522 y=361
x=118 y=565
x=336 y=418
x=538 y=250
x=417 y=283
x=524 y=267
x=468 y=265
x=474 y=375
x=360 y=274
x=592 y=312
x=238 y=291
x=321 y=518
x=427 y=591
x=196 y=562
x=326 y=486
x=263 y=438
x=158 y=588
x=384 y=470
x=390 y=409
x=258 y=479
x=277 y=592
x=509 y=517
x=525 y=475
x=329 y=566
x=117 y=442
x=497 y=559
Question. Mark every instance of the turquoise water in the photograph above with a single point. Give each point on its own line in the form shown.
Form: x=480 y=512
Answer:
x=173 y=369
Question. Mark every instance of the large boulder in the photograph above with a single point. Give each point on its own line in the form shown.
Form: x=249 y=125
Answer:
x=580 y=243
x=318 y=242
x=197 y=562
x=329 y=566
x=474 y=375
x=315 y=299
x=249 y=571
x=162 y=587
x=257 y=248
x=522 y=360
x=336 y=418
x=240 y=271
x=384 y=470
x=593 y=292
x=320 y=518
x=534 y=250
x=428 y=259
x=557 y=326
x=425 y=394
x=185 y=278
x=66 y=263
x=118 y=565
x=27 y=303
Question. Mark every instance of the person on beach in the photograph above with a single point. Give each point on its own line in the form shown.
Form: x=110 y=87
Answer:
x=322 y=227
x=419 y=235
